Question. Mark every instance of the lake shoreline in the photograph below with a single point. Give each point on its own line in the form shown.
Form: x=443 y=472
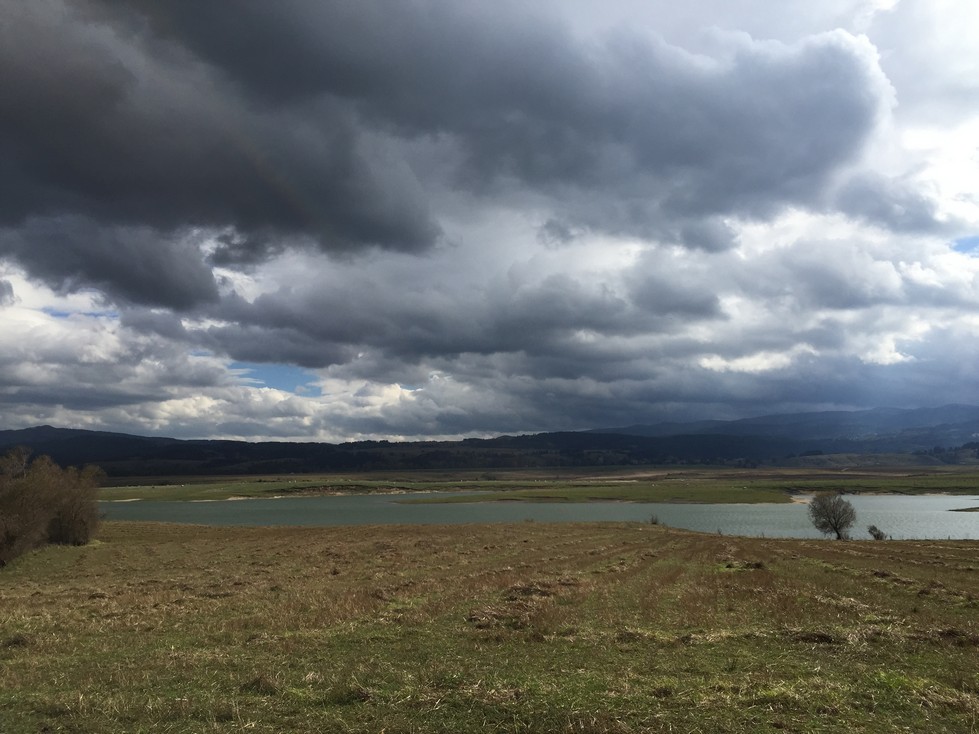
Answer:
x=902 y=517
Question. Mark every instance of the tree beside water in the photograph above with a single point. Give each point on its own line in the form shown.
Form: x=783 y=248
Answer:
x=832 y=514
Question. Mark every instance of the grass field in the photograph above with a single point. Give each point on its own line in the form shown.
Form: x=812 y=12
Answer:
x=521 y=628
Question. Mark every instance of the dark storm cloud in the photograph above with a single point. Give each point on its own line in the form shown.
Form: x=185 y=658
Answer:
x=324 y=320
x=812 y=276
x=252 y=343
x=6 y=292
x=815 y=275
x=709 y=235
x=128 y=263
x=77 y=396
x=649 y=140
x=148 y=321
x=99 y=119
x=669 y=291
x=626 y=134
x=235 y=249
x=296 y=124
x=890 y=203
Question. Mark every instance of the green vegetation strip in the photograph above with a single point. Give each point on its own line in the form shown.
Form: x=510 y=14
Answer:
x=601 y=628
x=209 y=490
x=631 y=485
x=665 y=492
x=204 y=489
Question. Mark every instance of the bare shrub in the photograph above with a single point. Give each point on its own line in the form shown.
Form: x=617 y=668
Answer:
x=876 y=533
x=42 y=503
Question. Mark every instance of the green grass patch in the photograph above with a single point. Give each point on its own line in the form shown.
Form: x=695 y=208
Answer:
x=219 y=488
x=207 y=490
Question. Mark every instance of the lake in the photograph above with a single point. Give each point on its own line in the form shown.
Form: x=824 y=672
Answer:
x=902 y=517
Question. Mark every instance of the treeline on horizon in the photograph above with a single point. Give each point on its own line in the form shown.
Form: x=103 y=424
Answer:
x=126 y=455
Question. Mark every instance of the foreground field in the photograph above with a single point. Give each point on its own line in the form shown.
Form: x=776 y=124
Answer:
x=522 y=628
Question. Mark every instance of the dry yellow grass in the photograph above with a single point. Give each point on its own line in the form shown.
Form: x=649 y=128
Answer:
x=521 y=628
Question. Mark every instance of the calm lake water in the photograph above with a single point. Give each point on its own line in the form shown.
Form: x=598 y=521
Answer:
x=901 y=517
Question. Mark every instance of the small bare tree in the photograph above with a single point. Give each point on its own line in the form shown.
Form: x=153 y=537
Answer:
x=830 y=513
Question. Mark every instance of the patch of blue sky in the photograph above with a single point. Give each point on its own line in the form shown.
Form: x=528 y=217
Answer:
x=968 y=245
x=60 y=313
x=279 y=376
x=56 y=312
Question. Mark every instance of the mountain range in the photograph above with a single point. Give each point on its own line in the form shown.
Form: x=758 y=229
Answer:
x=929 y=433
x=861 y=431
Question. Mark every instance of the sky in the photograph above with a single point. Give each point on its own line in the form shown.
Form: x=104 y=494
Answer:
x=430 y=219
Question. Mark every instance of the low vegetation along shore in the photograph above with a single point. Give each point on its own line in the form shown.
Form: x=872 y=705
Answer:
x=521 y=628
x=631 y=485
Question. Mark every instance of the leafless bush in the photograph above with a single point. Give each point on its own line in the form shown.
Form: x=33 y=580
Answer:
x=42 y=503
x=876 y=533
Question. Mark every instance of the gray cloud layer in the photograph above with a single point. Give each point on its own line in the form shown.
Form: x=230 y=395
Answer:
x=281 y=122
x=525 y=224
x=100 y=118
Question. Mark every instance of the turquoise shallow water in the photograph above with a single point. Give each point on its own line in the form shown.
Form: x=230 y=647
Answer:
x=921 y=517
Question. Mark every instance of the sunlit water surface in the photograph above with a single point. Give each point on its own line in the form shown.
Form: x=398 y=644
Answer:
x=918 y=517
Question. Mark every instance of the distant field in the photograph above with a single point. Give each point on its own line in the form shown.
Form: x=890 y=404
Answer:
x=638 y=485
x=598 y=628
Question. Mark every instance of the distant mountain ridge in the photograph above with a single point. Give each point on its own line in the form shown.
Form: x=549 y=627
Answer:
x=771 y=439
x=875 y=429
